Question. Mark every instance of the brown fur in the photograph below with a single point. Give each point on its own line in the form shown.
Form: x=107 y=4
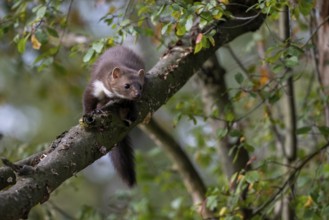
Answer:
x=117 y=68
x=121 y=72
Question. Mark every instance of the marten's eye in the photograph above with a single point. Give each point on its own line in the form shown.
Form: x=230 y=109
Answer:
x=127 y=86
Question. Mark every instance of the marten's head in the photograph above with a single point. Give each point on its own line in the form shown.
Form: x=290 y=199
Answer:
x=125 y=83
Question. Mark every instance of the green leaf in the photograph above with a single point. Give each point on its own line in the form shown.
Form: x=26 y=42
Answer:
x=211 y=40
x=324 y=130
x=235 y=133
x=229 y=116
x=21 y=45
x=175 y=7
x=98 y=46
x=161 y=9
x=273 y=98
x=192 y=118
x=295 y=50
x=197 y=48
x=305 y=6
x=217 y=14
x=41 y=12
x=17 y=4
x=239 y=78
x=212 y=202
x=274 y=58
x=143 y=10
x=165 y=28
x=291 y=61
x=252 y=176
x=124 y=23
x=222 y=132
x=249 y=147
x=212 y=33
x=303 y=130
x=108 y=21
x=52 y=32
x=189 y=23
x=205 y=42
x=45 y=63
x=41 y=36
x=88 y=55
x=279 y=68
x=180 y=30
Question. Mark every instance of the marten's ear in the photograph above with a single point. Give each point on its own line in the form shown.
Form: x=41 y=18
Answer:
x=141 y=73
x=116 y=73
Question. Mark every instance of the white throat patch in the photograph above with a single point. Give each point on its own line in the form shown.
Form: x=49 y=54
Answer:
x=100 y=90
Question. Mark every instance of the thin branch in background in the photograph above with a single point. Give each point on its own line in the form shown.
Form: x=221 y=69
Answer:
x=211 y=82
x=315 y=54
x=319 y=26
x=316 y=30
x=291 y=177
x=65 y=27
x=279 y=137
x=290 y=119
x=291 y=123
x=191 y=178
x=61 y=211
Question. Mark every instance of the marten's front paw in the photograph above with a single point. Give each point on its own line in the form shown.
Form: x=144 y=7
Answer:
x=127 y=117
x=127 y=122
x=97 y=111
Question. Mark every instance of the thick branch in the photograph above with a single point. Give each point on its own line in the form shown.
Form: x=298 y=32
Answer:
x=80 y=147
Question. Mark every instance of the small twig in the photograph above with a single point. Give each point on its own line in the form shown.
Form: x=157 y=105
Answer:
x=190 y=176
x=316 y=31
x=61 y=211
x=10 y=164
x=65 y=27
x=268 y=107
x=290 y=178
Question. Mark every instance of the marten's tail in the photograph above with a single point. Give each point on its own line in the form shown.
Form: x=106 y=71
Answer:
x=123 y=161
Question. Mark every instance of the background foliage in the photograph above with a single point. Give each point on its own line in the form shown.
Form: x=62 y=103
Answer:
x=48 y=47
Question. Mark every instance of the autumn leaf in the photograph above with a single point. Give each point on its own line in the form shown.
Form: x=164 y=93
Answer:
x=35 y=43
x=199 y=38
x=224 y=1
x=264 y=76
x=309 y=202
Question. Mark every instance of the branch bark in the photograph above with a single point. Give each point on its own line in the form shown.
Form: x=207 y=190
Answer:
x=322 y=52
x=290 y=114
x=82 y=145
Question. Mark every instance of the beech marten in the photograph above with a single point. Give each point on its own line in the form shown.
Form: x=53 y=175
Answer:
x=117 y=76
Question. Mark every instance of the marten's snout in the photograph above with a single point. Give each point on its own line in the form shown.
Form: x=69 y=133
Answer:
x=137 y=95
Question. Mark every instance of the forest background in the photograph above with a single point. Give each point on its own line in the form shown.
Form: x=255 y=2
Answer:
x=246 y=137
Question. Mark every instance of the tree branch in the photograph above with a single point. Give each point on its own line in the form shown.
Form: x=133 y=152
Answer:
x=214 y=92
x=83 y=144
x=191 y=178
x=290 y=179
x=291 y=142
